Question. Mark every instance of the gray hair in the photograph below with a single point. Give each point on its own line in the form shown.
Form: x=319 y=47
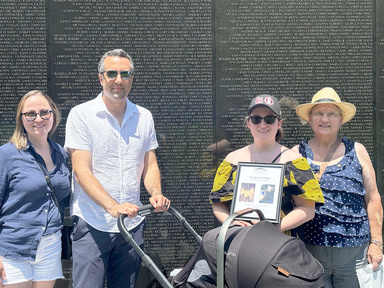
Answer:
x=115 y=52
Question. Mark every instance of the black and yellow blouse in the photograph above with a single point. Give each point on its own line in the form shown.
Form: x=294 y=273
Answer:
x=299 y=180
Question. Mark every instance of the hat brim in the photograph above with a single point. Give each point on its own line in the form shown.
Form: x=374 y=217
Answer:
x=250 y=109
x=348 y=110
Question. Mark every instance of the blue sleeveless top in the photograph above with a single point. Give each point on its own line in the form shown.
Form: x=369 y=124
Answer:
x=343 y=220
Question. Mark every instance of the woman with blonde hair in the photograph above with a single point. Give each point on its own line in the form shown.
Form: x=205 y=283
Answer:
x=34 y=181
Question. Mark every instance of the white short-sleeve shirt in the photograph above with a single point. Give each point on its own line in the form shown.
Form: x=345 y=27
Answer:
x=117 y=156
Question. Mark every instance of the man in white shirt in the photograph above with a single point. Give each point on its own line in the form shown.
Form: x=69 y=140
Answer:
x=112 y=144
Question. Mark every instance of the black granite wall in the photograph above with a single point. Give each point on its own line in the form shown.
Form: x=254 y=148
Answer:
x=198 y=65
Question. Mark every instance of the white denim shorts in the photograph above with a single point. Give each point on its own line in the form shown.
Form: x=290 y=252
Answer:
x=46 y=267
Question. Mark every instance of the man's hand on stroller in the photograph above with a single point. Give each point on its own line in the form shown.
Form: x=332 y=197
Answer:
x=160 y=203
x=125 y=208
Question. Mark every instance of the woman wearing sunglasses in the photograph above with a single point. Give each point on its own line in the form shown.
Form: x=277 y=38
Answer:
x=301 y=189
x=30 y=211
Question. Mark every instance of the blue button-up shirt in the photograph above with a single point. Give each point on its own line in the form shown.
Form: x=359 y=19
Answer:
x=27 y=209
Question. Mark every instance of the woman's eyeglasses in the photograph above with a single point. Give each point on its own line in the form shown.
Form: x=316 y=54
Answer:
x=31 y=115
x=330 y=115
x=268 y=119
x=112 y=74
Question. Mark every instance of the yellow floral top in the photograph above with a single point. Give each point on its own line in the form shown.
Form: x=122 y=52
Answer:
x=299 y=180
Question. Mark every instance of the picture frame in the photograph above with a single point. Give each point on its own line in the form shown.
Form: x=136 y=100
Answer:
x=259 y=186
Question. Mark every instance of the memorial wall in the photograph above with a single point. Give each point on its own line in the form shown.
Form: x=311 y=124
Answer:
x=198 y=65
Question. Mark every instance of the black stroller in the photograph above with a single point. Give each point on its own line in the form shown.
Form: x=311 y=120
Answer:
x=237 y=257
x=146 y=260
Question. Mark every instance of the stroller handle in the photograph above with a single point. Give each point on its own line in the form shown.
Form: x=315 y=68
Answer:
x=147 y=261
x=148 y=209
x=143 y=211
x=221 y=240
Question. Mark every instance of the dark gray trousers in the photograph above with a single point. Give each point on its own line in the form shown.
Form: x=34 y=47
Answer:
x=100 y=257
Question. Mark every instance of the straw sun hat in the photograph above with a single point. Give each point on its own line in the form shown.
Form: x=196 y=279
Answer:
x=326 y=96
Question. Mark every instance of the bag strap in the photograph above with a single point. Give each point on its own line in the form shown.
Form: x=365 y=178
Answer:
x=277 y=157
x=328 y=157
x=48 y=180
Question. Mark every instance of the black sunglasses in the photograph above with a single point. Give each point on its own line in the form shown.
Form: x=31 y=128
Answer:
x=112 y=74
x=31 y=115
x=268 y=119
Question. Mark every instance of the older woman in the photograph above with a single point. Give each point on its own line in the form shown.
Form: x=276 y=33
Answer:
x=351 y=219
x=30 y=212
x=301 y=189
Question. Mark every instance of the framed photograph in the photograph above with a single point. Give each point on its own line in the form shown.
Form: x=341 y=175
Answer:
x=259 y=186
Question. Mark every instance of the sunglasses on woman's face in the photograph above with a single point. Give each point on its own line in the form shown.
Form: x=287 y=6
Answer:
x=270 y=119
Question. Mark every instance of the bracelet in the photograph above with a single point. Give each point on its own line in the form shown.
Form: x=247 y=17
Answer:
x=377 y=243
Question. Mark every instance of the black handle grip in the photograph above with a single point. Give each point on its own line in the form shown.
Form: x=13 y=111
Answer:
x=143 y=211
